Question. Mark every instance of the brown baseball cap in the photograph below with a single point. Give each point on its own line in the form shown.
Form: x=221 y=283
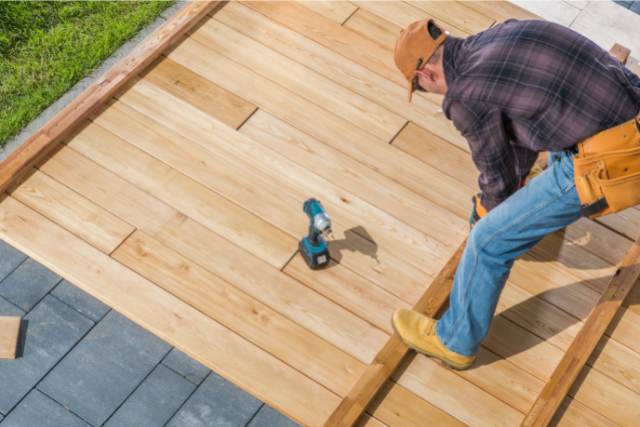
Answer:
x=417 y=43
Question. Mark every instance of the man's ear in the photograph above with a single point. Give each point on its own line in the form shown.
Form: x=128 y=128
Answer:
x=434 y=31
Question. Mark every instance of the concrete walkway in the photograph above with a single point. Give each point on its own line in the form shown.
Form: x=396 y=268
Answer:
x=604 y=21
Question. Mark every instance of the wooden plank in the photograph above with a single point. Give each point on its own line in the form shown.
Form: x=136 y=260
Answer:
x=224 y=174
x=619 y=52
x=72 y=211
x=436 y=152
x=337 y=11
x=367 y=421
x=456 y=14
x=342 y=70
x=626 y=222
x=347 y=289
x=340 y=39
x=9 y=334
x=302 y=80
x=402 y=14
x=390 y=357
x=501 y=10
x=184 y=194
x=200 y=92
x=242 y=314
x=618 y=362
x=598 y=239
x=182 y=326
x=348 y=210
x=522 y=348
x=325 y=126
x=397 y=407
x=376 y=29
x=43 y=141
x=574 y=414
x=454 y=395
x=584 y=343
x=625 y=328
x=223 y=258
x=538 y=317
x=353 y=176
x=607 y=397
x=554 y=286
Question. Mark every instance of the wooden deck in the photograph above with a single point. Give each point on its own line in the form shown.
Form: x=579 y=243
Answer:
x=179 y=203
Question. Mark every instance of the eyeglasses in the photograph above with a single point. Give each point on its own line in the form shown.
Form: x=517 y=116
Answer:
x=416 y=83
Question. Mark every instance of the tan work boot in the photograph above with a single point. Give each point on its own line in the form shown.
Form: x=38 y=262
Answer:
x=419 y=333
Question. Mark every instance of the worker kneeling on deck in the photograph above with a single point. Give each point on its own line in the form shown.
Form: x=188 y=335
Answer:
x=515 y=90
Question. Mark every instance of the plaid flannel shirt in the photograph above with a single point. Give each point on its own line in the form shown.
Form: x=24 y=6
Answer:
x=524 y=87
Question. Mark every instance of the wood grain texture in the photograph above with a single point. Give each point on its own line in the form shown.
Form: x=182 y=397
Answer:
x=397 y=407
x=182 y=326
x=43 y=141
x=583 y=345
x=184 y=194
x=456 y=14
x=343 y=70
x=402 y=14
x=242 y=314
x=200 y=92
x=619 y=52
x=72 y=211
x=325 y=126
x=9 y=334
x=574 y=414
x=218 y=255
x=501 y=10
x=373 y=27
x=390 y=357
x=302 y=80
x=346 y=209
x=337 y=11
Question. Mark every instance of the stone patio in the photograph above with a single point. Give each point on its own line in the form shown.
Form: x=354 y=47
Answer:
x=83 y=364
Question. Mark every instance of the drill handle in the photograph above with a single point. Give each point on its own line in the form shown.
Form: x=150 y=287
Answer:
x=313 y=234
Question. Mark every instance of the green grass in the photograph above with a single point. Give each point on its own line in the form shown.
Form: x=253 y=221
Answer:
x=47 y=47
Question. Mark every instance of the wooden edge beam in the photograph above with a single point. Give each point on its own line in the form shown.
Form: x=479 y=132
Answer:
x=9 y=333
x=50 y=135
x=394 y=351
x=585 y=342
x=618 y=52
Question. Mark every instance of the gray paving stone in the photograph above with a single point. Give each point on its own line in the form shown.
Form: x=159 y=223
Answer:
x=217 y=403
x=104 y=368
x=154 y=402
x=186 y=366
x=8 y=309
x=72 y=295
x=622 y=3
x=10 y=258
x=635 y=7
x=28 y=284
x=53 y=328
x=269 y=417
x=37 y=410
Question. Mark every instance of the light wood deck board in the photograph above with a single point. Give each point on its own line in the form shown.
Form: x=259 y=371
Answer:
x=202 y=133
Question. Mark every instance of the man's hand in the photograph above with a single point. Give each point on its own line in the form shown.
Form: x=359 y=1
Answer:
x=478 y=210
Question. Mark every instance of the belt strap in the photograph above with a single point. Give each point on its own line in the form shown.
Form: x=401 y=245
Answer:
x=595 y=207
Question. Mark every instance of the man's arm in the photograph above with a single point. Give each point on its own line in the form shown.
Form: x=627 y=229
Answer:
x=526 y=159
x=491 y=150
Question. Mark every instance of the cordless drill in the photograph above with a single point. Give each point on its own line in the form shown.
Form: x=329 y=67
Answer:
x=313 y=248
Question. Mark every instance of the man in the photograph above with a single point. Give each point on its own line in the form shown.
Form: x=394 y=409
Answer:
x=515 y=90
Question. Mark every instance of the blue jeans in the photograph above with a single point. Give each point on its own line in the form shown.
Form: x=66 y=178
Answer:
x=548 y=203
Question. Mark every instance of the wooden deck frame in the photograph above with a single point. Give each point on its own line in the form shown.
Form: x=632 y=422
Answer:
x=50 y=135
x=350 y=412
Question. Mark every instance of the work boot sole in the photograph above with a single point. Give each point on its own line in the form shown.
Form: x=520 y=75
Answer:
x=451 y=365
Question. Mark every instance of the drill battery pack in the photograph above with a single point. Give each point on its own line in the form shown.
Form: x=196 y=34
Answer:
x=315 y=255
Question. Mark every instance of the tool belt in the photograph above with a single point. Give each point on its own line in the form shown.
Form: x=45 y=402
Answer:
x=607 y=170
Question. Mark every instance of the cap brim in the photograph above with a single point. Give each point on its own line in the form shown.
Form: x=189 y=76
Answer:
x=411 y=89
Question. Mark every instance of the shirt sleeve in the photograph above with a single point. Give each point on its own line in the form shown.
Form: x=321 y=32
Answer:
x=492 y=153
x=526 y=158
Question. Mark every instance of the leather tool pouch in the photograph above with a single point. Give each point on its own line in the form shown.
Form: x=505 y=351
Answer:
x=607 y=170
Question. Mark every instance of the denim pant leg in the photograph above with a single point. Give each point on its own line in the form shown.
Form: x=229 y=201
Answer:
x=548 y=203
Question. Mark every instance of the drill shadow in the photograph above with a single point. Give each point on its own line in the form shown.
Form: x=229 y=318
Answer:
x=531 y=311
x=356 y=239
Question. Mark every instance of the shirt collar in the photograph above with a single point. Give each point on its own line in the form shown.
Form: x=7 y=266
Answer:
x=450 y=57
